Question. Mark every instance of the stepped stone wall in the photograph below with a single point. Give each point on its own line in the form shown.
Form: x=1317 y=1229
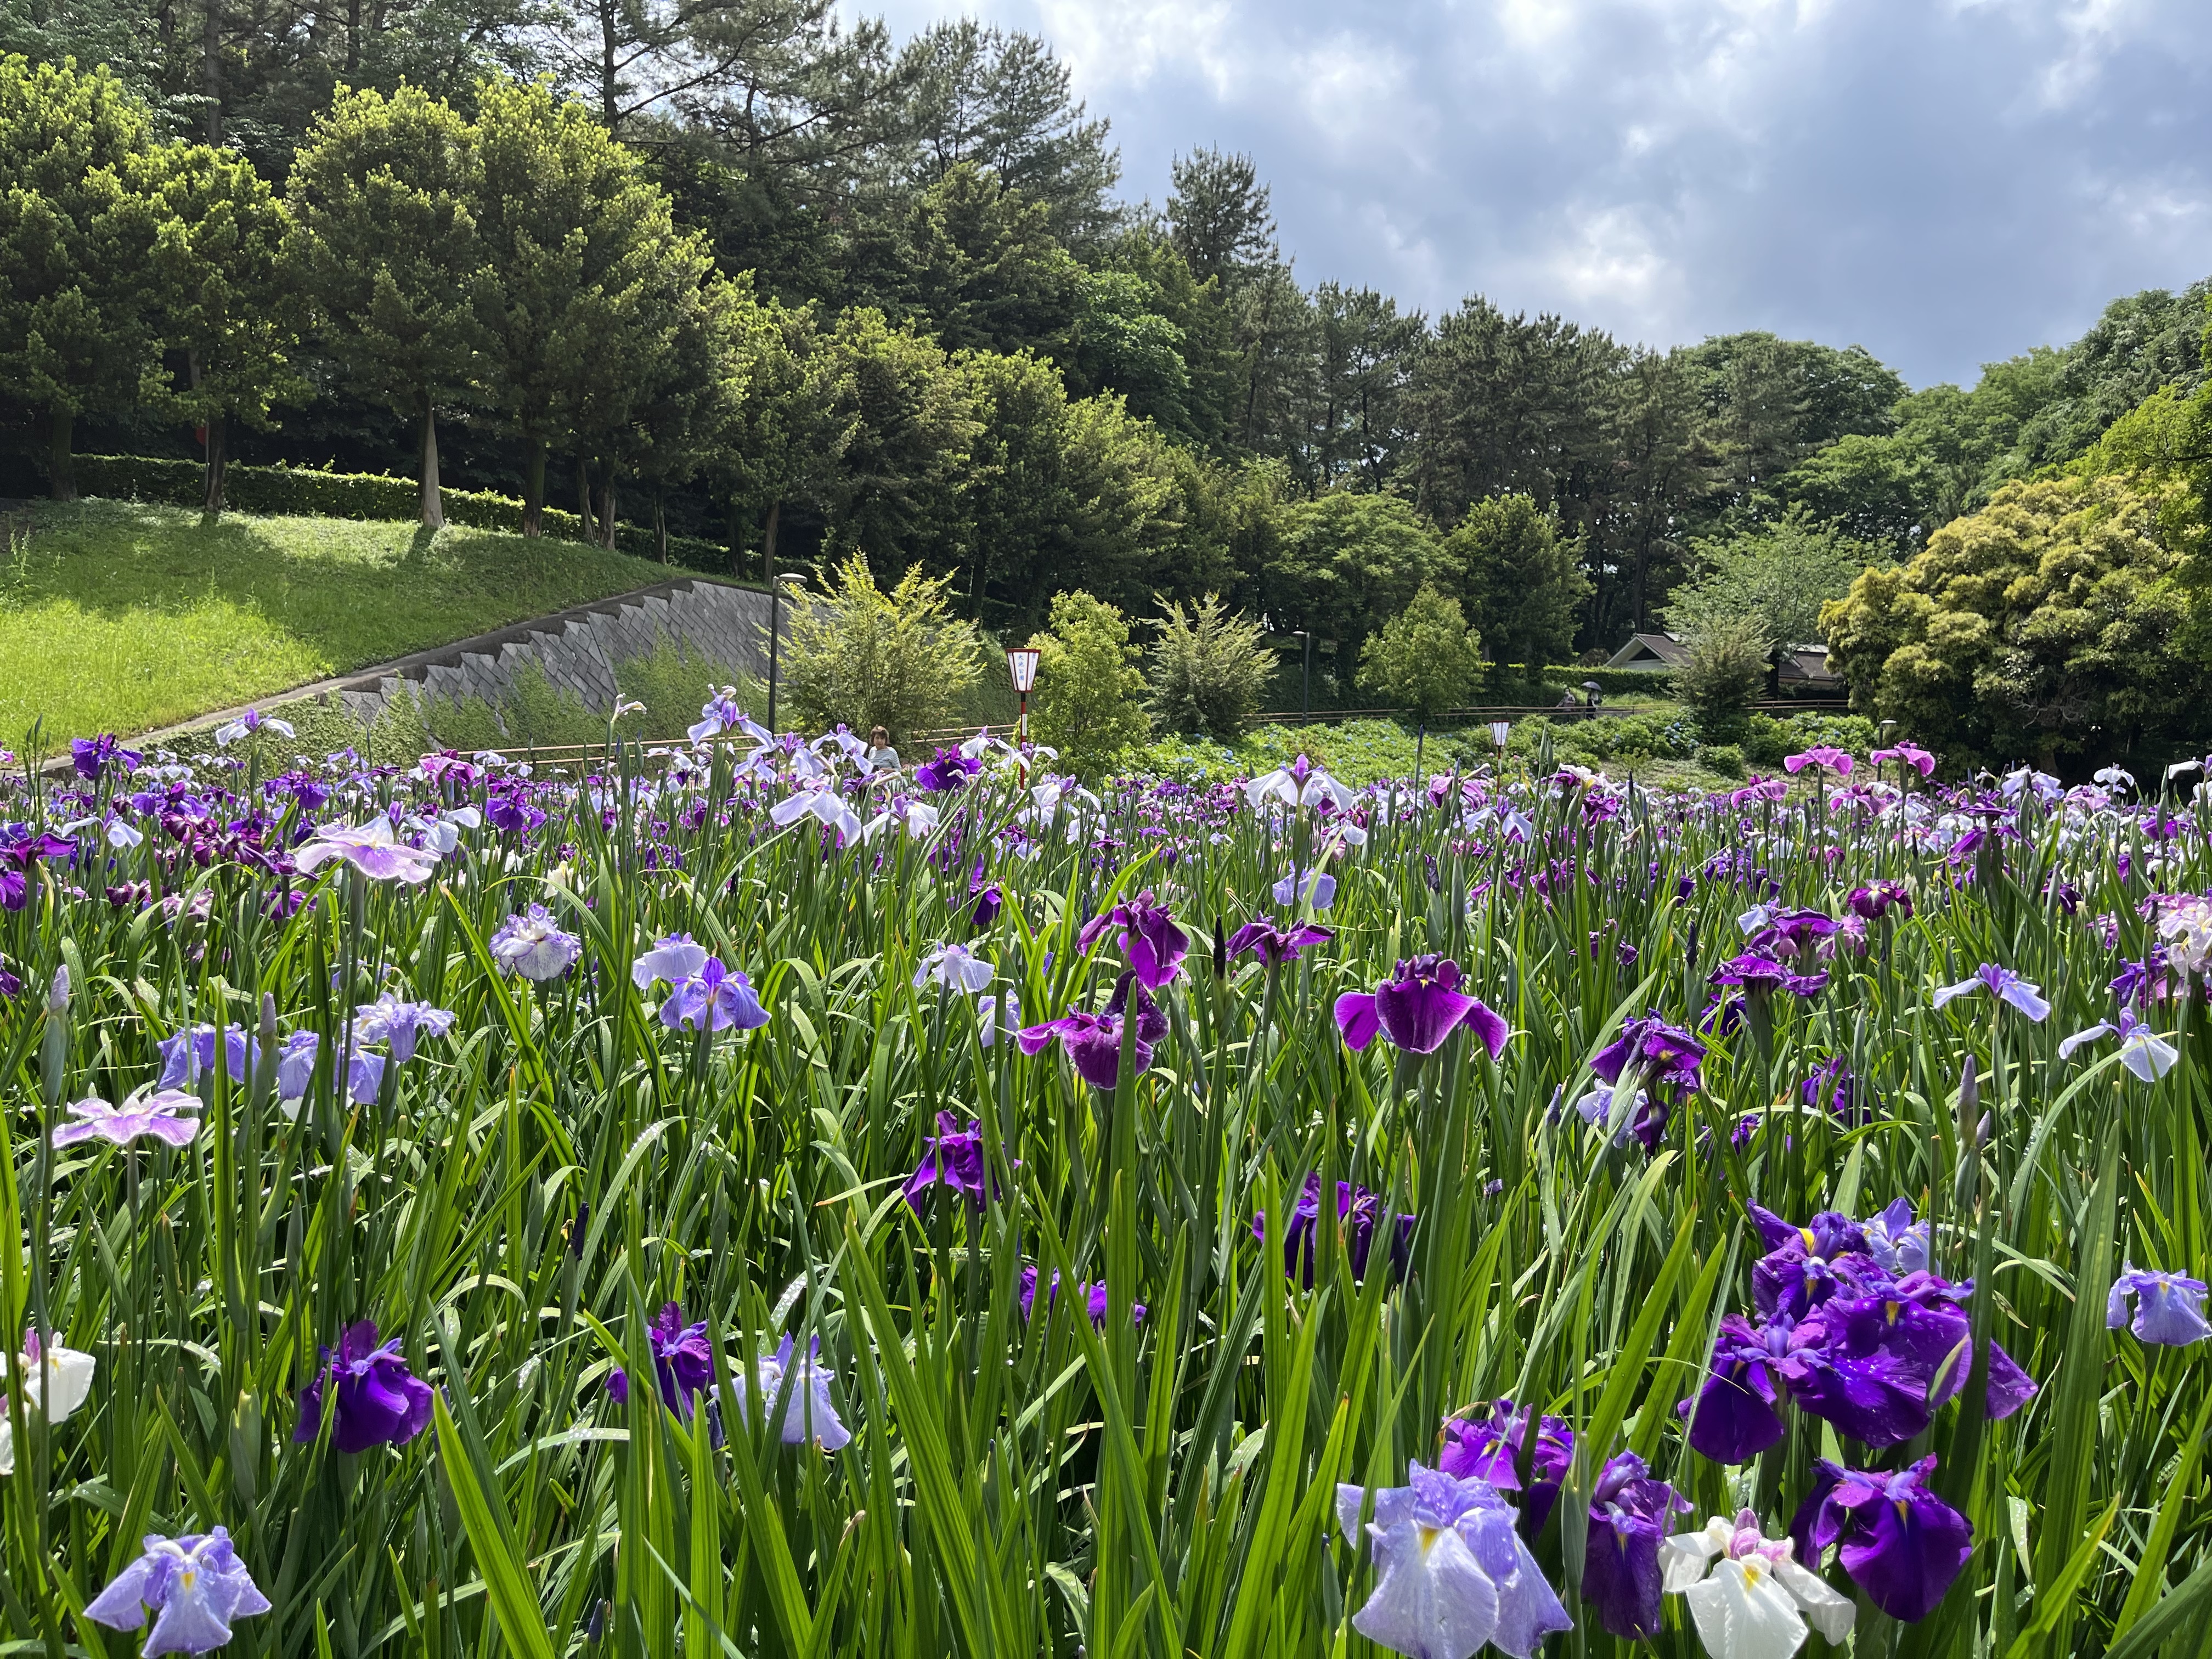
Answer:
x=577 y=650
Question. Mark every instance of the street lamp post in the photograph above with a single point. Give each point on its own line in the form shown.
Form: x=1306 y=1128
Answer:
x=1022 y=665
x=1499 y=731
x=775 y=582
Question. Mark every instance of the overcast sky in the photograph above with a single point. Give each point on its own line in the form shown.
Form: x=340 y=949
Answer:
x=1942 y=181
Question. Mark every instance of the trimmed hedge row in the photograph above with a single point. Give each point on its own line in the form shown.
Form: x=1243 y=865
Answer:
x=307 y=492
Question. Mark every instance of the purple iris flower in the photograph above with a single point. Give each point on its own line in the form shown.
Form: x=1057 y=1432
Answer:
x=532 y=943
x=1093 y=1296
x=509 y=809
x=375 y=1401
x=1630 y=1513
x=947 y=769
x=190 y=1056
x=2004 y=985
x=1275 y=945
x=1153 y=944
x=987 y=902
x=364 y=1077
x=954 y=1160
x=92 y=756
x=2169 y=1308
x=1798 y=1271
x=1649 y=1049
x=1361 y=1212
x=1898 y=1243
x=161 y=1115
x=715 y=999
x=683 y=1364
x=1822 y=755
x=1451 y=1572
x=1417 y=1008
x=1489 y=1449
x=1901 y=1544
x=1794 y=933
x=400 y=1025
x=1737 y=1413
x=809 y=1414
x=1762 y=977
x=1876 y=899
x=1093 y=1042
x=195 y=1585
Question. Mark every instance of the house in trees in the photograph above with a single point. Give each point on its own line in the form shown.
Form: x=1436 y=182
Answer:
x=1798 y=671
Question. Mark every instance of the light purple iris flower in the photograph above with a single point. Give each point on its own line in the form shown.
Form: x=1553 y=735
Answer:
x=2169 y=1307
x=195 y=1585
x=1911 y=754
x=161 y=1115
x=715 y=999
x=1898 y=1243
x=295 y=1064
x=1902 y=1544
x=2142 y=1051
x=370 y=848
x=1452 y=1573
x=190 y=1056
x=673 y=960
x=1417 y=1008
x=532 y=943
x=809 y=1414
x=364 y=1077
x=2004 y=985
x=1151 y=941
x=1316 y=887
x=400 y=1025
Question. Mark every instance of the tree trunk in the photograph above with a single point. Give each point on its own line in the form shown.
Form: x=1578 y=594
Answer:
x=607 y=510
x=610 y=41
x=61 y=464
x=584 y=499
x=533 y=491
x=353 y=40
x=768 y=541
x=211 y=69
x=660 y=524
x=433 y=505
x=218 y=457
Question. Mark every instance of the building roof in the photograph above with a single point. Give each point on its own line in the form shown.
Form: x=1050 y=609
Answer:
x=1800 y=664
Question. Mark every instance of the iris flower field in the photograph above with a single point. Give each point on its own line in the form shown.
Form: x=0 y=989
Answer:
x=733 y=1204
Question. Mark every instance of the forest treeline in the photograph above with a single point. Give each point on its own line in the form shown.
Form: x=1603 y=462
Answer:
x=731 y=267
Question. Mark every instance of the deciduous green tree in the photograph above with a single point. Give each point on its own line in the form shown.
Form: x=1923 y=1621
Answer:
x=1344 y=562
x=1088 y=702
x=1425 y=658
x=384 y=248
x=1775 y=577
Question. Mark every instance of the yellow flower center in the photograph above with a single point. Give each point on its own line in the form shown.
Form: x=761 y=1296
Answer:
x=1429 y=1536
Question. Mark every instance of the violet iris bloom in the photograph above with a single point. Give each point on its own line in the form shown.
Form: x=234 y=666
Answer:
x=364 y=1077
x=683 y=1364
x=1361 y=1212
x=1820 y=757
x=92 y=754
x=1630 y=1514
x=947 y=769
x=531 y=942
x=2004 y=985
x=1737 y=1413
x=190 y=1056
x=1451 y=1572
x=954 y=1160
x=195 y=1585
x=2169 y=1308
x=1898 y=1243
x=400 y=1025
x=988 y=902
x=1093 y=1042
x=1094 y=1298
x=1877 y=900
x=1794 y=932
x=1417 y=1008
x=1649 y=1049
x=1902 y=1544
x=1489 y=1449
x=1275 y=945
x=161 y=1115
x=673 y=959
x=1762 y=977
x=1316 y=887
x=296 y=1065
x=376 y=1403
x=1151 y=941
x=715 y=999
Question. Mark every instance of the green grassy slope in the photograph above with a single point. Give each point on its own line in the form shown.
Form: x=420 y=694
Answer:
x=115 y=617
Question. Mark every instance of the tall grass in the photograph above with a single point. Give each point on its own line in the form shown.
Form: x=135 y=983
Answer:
x=525 y=1194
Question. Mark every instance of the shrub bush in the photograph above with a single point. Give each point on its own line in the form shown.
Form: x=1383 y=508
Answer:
x=1723 y=758
x=306 y=493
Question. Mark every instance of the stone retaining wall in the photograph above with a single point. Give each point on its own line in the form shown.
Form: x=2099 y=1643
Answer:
x=577 y=650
